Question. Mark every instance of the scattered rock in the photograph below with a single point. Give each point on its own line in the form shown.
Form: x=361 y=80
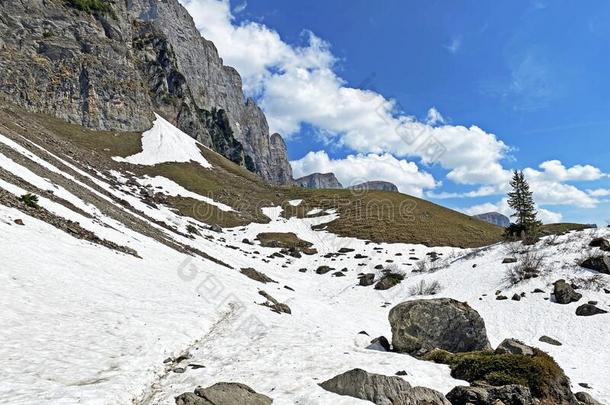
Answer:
x=514 y=346
x=303 y=270
x=345 y=250
x=501 y=297
x=382 y=390
x=379 y=267
x=215 y=228
x=224 y=394
x=367 y=279
x=179 y=370
x=564 y=293
x=274 y=304
x=516 y=297
x=586 y=399
x=338 y=274
x=19 y=221
x=401 y=373
x=256 y=275
x=508 y=260
x=487 y=395
x=246 y=241
x=597 y=263
x=388 y=281
x=381 y=343
x=196 y=366
x=601 y=243
x=420 y=326
x=550 y=341
x=323 y=269
x=537 y=291
x=360 y=256
x=589 y=310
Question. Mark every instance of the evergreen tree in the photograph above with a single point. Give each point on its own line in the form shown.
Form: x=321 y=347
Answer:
x=521 y=200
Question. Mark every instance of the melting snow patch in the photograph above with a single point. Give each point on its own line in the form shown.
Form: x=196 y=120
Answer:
x=172 y=188
x=314 y=211
x=295 y=203
x=166 y=143
x=272 y=212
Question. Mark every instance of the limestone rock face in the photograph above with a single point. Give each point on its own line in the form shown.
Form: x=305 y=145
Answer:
x=111 y=69
x=71 y=64
x=420 y=326
x=319 y=180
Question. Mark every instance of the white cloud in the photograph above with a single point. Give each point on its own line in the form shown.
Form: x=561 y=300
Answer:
x=554 y=170
x=434 y=117
x=599 y=192
x=355 y=169
x=549 y=185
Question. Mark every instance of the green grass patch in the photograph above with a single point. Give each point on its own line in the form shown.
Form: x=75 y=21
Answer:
x=282 y=240
x=562 y=228
x=540 y=373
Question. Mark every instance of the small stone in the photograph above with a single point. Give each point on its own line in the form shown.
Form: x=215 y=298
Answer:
x=501 y=297
x=19 y=221
x=550 y=341
x=179 y=370
x=401 y=373
x=508 y=260
x=516 y=297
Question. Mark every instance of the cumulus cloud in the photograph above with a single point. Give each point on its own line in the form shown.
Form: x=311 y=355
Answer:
x=355 y=169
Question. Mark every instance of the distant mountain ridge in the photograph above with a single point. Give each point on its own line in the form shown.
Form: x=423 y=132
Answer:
x=111 y=67
x=319 y=180
x=375 y=185
x=494 y=218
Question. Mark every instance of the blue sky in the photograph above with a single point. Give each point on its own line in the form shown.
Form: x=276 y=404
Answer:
x=530 y=75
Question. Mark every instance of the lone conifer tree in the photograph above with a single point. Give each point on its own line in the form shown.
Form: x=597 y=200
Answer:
x=521 y=200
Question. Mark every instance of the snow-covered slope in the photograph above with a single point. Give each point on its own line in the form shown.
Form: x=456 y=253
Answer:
x=83 y=323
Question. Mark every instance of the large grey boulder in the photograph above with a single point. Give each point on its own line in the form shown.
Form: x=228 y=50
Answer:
x=487 y=395
x=224 y=393
x=564 y=293
x=423 y=325
x=589 y=310
x=381 y=389
x=597 y=263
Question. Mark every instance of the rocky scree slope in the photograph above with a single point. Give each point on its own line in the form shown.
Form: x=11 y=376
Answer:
x=111 y=67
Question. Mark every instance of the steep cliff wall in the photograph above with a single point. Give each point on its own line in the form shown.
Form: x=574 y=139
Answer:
x=111 y=67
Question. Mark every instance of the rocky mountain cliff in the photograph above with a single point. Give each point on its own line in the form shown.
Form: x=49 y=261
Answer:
x=319 y=180
x=110 y=65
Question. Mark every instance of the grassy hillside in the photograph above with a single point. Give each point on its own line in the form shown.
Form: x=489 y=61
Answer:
x=372 y=215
